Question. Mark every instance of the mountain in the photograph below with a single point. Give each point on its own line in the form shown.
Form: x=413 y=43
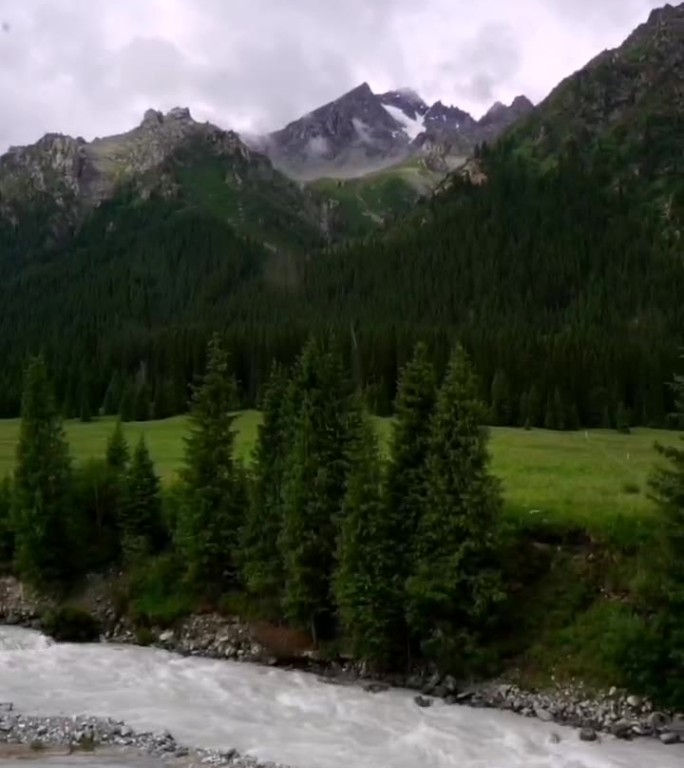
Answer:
x=362 y=132
x=624 y=111
x=555 y=257
x=171 y=156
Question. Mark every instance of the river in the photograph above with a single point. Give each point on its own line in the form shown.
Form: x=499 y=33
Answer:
x=289 y=717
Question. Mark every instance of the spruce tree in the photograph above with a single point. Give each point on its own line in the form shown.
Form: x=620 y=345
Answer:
x=118 y=454
x=501 y=400
x=406 y=473
x=369 y=586
x=534 y=407
x=655 y=661
x=622 y=419
x=42 y=484
x=211 y=514
x=456 y=582
x=262 y=567
x=6 y=525
x=142 y=527
x=315 y=478
x=560 y=415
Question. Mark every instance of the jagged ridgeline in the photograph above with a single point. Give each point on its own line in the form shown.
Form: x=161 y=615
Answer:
x=554 y=256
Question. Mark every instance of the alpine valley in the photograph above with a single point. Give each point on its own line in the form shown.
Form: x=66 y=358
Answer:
x=546 y=239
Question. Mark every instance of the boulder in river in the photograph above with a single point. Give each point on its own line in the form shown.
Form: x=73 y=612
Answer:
x=423 y=702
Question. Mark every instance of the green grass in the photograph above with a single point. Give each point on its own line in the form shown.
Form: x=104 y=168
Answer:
x=592 y=480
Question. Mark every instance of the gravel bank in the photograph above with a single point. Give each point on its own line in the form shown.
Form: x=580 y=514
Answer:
x=85 y=734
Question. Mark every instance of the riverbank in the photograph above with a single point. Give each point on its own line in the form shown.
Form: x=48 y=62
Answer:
x=25 y=736
x=593 y=713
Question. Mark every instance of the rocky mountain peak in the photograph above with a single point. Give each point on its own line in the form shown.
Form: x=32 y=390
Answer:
x=407 y=100
x=78 y=175
x=362 y=131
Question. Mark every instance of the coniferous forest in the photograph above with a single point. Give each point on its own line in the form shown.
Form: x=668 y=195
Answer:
x=563 y=287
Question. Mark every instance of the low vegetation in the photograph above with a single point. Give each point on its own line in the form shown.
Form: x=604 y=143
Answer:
x=71 y=625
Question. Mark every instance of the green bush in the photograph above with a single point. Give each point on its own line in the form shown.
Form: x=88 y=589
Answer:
x=144 y=636
x=71 y=625
x=158 y=593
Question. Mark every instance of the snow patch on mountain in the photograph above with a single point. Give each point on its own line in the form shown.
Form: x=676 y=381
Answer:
x=412 y=128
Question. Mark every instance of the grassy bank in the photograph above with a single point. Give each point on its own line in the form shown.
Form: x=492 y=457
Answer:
x=593 y=480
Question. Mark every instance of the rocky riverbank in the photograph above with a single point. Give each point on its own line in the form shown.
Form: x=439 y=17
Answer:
x=614 y=713
x=87 y=734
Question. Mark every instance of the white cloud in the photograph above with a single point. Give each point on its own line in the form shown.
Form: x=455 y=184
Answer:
x=91 y=67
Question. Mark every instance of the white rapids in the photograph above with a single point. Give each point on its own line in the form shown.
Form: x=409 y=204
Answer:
x=289 y=717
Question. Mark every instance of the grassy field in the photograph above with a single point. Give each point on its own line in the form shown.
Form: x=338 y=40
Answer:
x=595 y=480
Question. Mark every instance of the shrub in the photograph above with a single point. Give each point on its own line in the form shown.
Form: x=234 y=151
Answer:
x=158 y=594
x=631 y=488
x=71 y=625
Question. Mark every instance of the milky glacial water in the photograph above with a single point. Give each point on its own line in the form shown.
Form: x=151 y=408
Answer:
x=289 y=717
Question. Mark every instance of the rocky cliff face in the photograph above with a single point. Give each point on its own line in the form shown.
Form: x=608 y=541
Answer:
x=362 y=132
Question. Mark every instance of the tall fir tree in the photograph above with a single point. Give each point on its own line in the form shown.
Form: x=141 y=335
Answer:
x=369 y=586
x=118 y=454
x=655 y=660
x=456 y=582
x=502 y=412
x=406 y=481
x=262 y=566
x=42 y=484
x=142 y=524
x=212 y=511
x=315 y=479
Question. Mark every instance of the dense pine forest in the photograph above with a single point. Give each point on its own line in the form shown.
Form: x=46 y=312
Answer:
x=399 y=562
x=563 y=286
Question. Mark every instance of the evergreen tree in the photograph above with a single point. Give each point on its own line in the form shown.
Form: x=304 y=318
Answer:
x=118 y=453
x=85 y=412
x=212 y=512
x=501 y=400
x=142 y=528
x=42 y=484
x=369 y=586
x=456 y=582
x=534 y=407
x=559 y=410
x=406 y=473
x=262 y=567
x=622 y=419
x=655 y=660
x=127 y=403
x=550 y=415
x=316 y=473
x=6 y=526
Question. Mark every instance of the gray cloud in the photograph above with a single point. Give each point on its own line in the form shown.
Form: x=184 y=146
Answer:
x=91 y=67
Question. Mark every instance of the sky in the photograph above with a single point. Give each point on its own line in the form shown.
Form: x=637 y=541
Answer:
x=92 y=67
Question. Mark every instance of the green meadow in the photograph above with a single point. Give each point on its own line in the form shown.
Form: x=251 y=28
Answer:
x=595 y=480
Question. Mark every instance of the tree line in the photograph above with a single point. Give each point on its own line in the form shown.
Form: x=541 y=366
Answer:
x=401 y=556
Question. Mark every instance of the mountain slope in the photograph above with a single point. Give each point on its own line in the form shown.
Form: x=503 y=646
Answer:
x=63 y=180
x=624 y=110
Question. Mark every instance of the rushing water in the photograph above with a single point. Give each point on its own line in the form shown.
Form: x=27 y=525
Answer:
x=288 y=716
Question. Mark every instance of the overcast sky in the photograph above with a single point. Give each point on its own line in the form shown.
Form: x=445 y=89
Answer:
x=91 y=67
